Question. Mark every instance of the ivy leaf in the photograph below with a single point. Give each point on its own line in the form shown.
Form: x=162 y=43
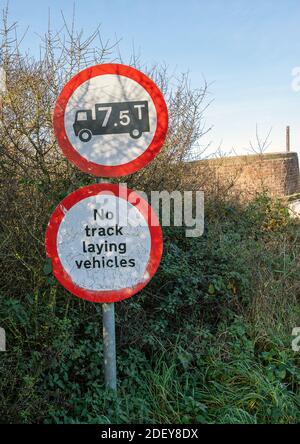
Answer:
x=47 y=267
x=211 y=289
x=281 y=374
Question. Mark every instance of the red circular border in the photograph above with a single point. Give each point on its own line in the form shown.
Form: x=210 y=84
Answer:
x=103 y=170
x=51 y=242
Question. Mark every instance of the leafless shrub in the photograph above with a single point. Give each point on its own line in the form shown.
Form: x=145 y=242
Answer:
x=186 y=127
x=28 y=146
x=261 y=144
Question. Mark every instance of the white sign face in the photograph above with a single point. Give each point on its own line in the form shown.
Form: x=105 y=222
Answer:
x=110 y=120
x=105 y=243
x=97 y=251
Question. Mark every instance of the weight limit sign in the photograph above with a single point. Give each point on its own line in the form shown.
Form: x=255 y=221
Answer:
x=110 y=120
x=105 y=243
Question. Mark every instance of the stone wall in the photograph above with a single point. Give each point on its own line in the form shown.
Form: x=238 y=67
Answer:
x=276 y=174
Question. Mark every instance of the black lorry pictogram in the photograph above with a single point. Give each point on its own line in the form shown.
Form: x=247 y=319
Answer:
x=112 y=118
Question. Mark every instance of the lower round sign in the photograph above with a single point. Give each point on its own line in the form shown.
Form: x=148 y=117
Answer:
x=105 y=243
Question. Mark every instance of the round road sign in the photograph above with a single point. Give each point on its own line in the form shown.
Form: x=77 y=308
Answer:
x=105 y=243
x=110 y=120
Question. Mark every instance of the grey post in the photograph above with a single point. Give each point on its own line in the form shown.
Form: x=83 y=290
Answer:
x=109 y=342
x=109 y=346
x=288 y=139
x=2 y=340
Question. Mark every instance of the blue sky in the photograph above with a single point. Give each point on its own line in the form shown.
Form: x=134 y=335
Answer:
x=245 y=49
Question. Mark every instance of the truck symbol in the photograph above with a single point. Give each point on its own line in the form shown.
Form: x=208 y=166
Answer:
x=112 y=118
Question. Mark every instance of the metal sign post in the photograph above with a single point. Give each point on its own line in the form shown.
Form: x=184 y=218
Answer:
x=109 y=341
x=109 y=346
